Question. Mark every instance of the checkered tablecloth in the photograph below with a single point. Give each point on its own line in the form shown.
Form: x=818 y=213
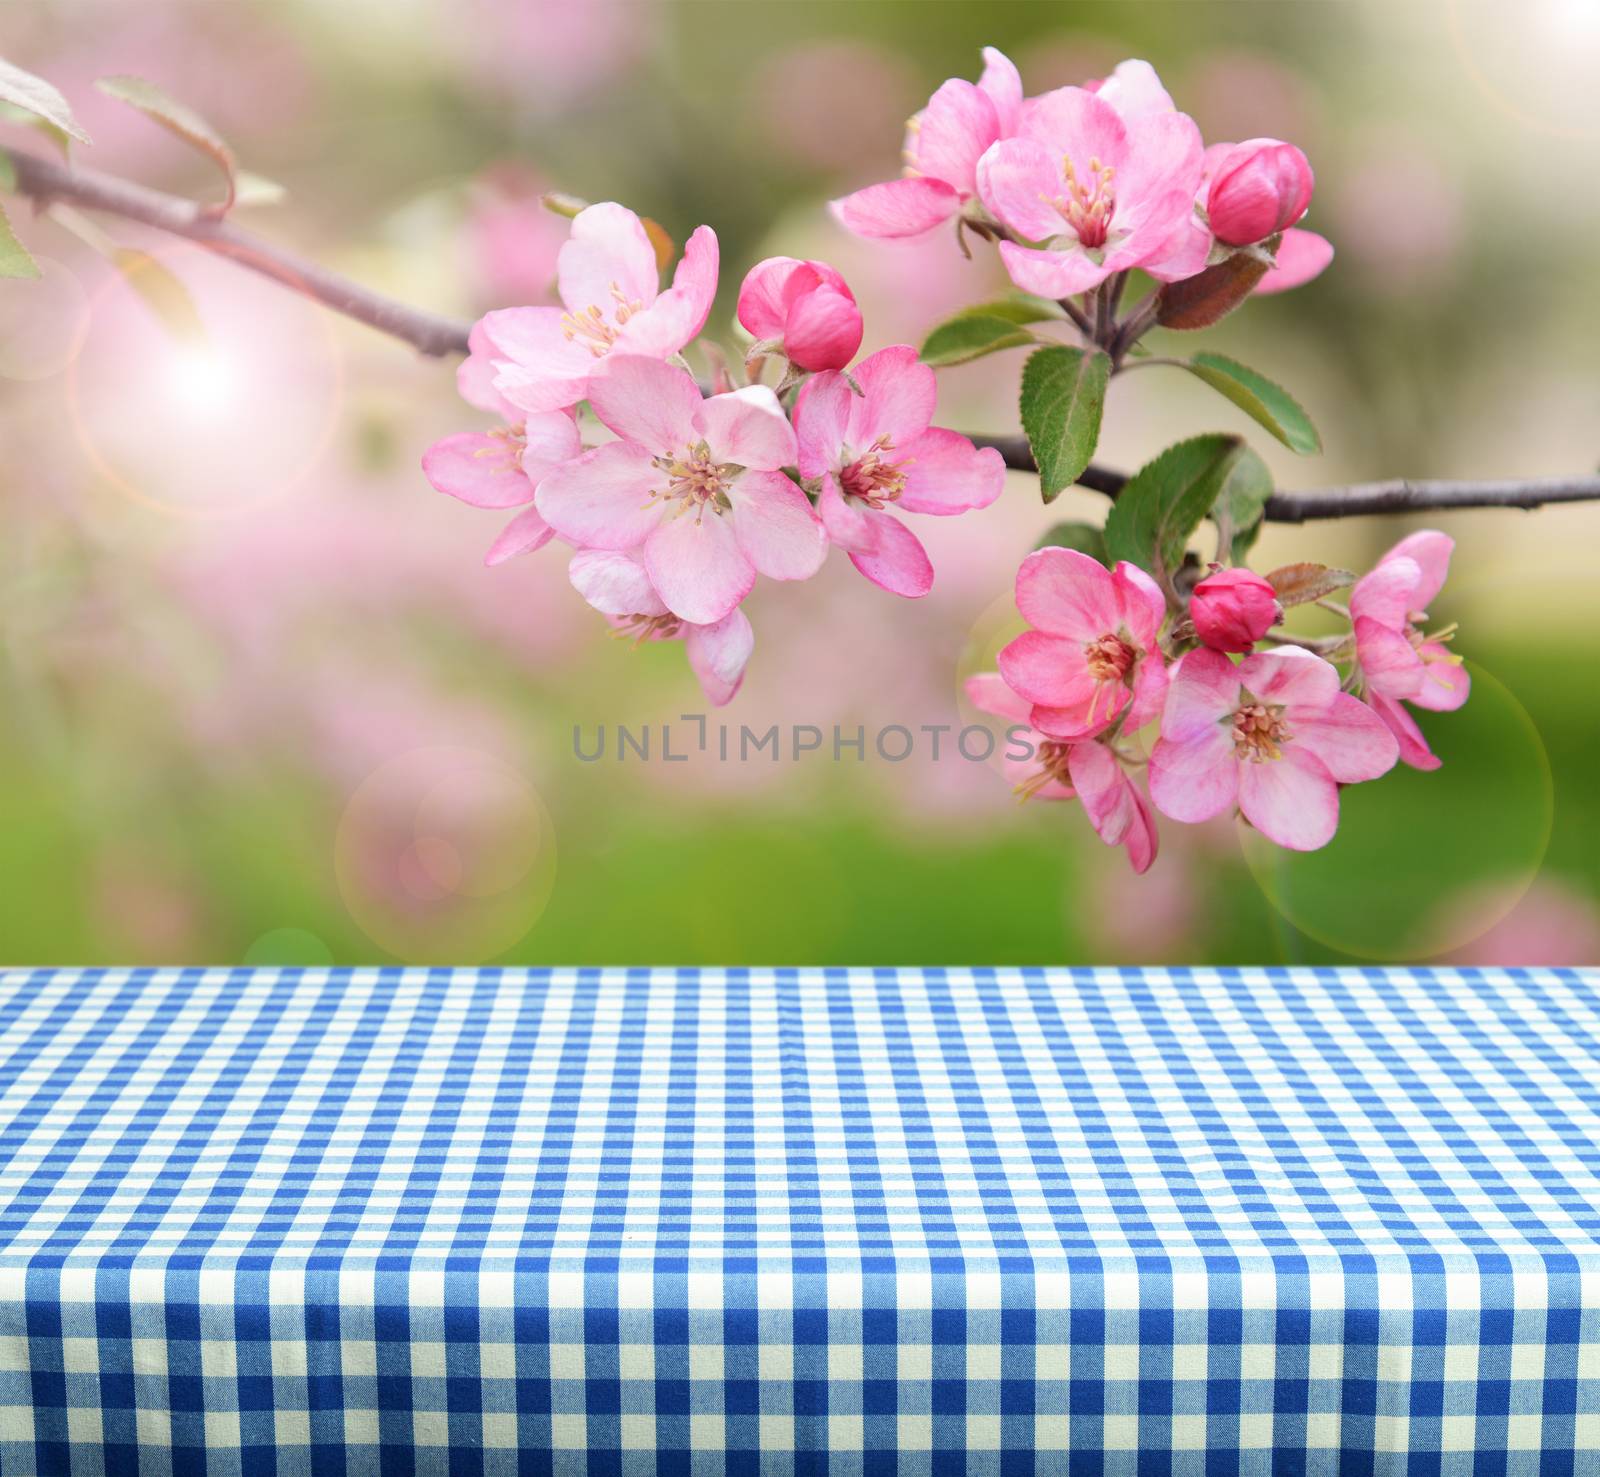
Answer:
x=799 y=1221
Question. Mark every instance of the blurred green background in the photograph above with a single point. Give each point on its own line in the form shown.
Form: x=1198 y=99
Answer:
x=260 y=701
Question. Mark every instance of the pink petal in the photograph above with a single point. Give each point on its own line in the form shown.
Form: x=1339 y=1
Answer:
x=1142 y=840
x=897 y=397
x=549 y=440
x=1068 y=594
x=1430 y=550
x=602 y=500
x=1302 y=255
x=1001 y=83
x=847 y=521
x=1055 y=274
x=821 y=422
x=946 y=473
x=1085 y=718
x=1195 y=779
x=824 y=329
x=747 y=427
x=769 y=290
x=1352 y=742
x=1151 y=682
x=1414 y=748
x=681 y=311
x=614 y=583
x=1017 y=180
x=1445 y=682
x=897 y=208
x=1050 y=671
x=776 y=529
x=1135 y=91
x=1103 y=788
x=695 y=563
x=478 y=469
x=719 y=653
x=1291 y=675
x=647 y=402
x=988 y=693
x=1161 y=175
x=1143 y=605
x=607 y=257
x=1388 y=594
x=897 y=561
x=1292 y=801
x=538 y=367
x=1204 y=691
x=1182 y=253
x=958 y=124
x=522 y=535
x=1389 y=661
x=1077 y=124
x=475 y=377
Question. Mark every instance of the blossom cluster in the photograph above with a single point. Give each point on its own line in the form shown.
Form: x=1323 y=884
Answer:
x=1145 y=684
x=1274 y=735
x=1082 y=183
x=686 y=498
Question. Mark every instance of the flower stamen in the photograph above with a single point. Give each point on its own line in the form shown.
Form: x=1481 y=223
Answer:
x=873 y=478
x=1259 y=733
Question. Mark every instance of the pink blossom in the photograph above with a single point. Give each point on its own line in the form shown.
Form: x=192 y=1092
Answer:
x=502 y=468
x=1258 y=188
x=879 y=447
x=1105 y=180
x=1301 y=257
x=1091 y=657
x=1058 y=770
x=693 y=484
x=1274 y=735
x=1233 y=609
x=543 y=358
x=618 y=585
x=943 y=145
x=806 y=307
x=1388 y=609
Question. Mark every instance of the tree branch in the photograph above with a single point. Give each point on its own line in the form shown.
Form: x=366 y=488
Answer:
x=44 y=180
x=1359 y=498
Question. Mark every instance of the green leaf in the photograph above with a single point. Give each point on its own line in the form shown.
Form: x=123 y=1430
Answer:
x=1264 y=402
x=1166 y=500
x=162 y=292
x=970 y=336
x=36 y=96
x=1241 y=502
x=177 y=118
x=1063 y=394
x=1084 y=537
x=14 y=258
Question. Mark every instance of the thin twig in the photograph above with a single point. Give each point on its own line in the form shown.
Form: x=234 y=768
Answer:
x=44 y=180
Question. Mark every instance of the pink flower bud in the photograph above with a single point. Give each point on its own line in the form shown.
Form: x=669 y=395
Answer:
x=806 y=306
x=1233 y=609
x=1260 y=187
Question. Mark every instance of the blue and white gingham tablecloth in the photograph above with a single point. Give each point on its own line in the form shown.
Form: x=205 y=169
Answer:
x=799 y=1221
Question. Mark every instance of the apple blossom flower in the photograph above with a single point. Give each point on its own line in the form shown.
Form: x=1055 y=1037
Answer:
x=878 y=447
x=1091 y=657
x=1301 y=257
x=1398 y=661
x=693 y=484
x=1101 y=190
x=804 y=307
x=1274 y=735
x=544 y=358
x=943 y=145
x=1233 y=609
x=502 y=468
x=618 y=585
x=1258 y=188
x=1060 y=770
